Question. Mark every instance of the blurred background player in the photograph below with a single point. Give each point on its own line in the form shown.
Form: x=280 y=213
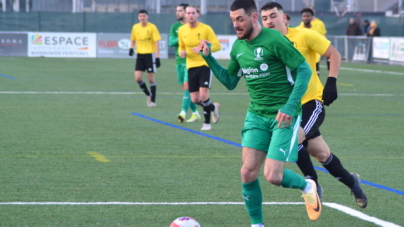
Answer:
x=182 y=73
x=199 y=75
x=308 y=44
x=309 y=21
x=146 y=36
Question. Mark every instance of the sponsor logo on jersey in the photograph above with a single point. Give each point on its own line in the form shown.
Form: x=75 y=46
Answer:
x=249 y=70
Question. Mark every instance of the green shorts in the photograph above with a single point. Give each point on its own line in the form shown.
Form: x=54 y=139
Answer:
x=263 y=134
x=182 y=73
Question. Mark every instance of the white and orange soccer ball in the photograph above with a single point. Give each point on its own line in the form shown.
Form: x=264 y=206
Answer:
x=185 y=222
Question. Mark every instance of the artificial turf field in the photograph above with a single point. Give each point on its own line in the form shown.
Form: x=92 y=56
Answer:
x=79 y=147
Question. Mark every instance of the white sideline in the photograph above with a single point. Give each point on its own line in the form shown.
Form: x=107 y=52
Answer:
x=336 y=206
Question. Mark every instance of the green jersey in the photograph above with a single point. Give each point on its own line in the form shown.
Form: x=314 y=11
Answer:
x=266 y=62
x=173 y=41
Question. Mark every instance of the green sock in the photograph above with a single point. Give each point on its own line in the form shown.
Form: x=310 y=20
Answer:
x=186 y=100
x=253 y=200
x=191 y=104
x=193 y=107
x=293 y=180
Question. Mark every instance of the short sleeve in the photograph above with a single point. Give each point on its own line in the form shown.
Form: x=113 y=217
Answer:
x=156 y=34
x=316 y=41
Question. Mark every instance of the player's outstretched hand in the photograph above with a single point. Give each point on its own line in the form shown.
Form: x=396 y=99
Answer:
x=158 y=63
x=283 y=118
x=205 y=47
x=131 y=52
x=330 y=91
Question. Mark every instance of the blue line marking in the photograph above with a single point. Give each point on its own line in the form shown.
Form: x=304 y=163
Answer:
x=9 y=77
x=189 y=130
x=238 y=145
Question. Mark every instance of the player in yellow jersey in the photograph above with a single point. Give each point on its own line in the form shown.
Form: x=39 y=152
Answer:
x=309 y=43
x=312 y=23
x=182 y=73
x=146 y=36
x=199 y=75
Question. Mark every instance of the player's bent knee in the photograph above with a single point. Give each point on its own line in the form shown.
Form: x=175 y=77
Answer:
x=248 y=175
x=322 y=157
x=273 y=179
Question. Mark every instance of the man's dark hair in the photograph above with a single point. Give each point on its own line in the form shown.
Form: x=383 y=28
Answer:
x=143 y=11
x=271 y=5
x=308 y=10
x=287 y=16
x=248 y=6
x=184 y=5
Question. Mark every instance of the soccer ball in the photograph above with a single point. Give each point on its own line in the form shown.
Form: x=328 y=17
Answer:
x=185 y=222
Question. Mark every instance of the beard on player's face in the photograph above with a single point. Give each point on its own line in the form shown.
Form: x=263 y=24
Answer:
x=247 y=31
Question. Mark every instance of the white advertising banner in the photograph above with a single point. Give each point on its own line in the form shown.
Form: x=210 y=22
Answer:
x=397 y=49
x=381 y=48
x=227 y=42
x=65 y=45
x=116 y=45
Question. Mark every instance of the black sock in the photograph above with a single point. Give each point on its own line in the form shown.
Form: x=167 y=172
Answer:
x=334 y=166
x=305 y=164
x=153 y=89
x=207 y=108
x=142 y=86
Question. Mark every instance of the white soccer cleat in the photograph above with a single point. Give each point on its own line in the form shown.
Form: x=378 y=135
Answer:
x=148 y=101
x=152 y=104
x=258 y=225
x=206 y=127
x=215 y=113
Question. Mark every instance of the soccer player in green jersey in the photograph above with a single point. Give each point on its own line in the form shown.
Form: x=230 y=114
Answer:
x=182 y=72
x=309 y=43
x=276 y=75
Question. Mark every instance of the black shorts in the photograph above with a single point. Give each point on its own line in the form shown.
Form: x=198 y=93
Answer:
x=199 y=77
x=313 y=114
x=145 y=62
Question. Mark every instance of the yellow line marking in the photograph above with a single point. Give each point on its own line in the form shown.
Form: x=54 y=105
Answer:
x=348 y=85
x=98 y=157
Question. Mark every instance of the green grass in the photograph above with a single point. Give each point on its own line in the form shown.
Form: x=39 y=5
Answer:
x=46 y=137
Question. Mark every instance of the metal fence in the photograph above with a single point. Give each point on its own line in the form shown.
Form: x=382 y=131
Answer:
x=353 y=48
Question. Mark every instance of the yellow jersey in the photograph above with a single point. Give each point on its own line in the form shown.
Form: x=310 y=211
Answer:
x=189 y=38
x=318 y=26
x=145 y=38
x=310 y=43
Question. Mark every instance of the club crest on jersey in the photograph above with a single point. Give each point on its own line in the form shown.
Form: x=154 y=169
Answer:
x=259 y=52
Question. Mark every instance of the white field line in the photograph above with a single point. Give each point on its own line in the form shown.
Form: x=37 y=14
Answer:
x=347 y=210
x=161 y=93
x=369 y=71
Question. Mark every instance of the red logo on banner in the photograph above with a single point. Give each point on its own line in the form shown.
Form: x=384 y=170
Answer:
x=108 y=44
